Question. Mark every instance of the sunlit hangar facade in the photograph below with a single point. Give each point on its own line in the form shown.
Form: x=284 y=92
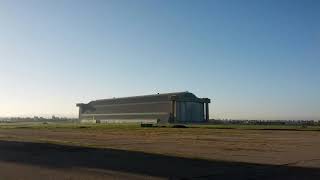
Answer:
x=164 y=108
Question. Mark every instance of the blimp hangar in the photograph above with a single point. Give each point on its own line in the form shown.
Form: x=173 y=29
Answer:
x=178 y=107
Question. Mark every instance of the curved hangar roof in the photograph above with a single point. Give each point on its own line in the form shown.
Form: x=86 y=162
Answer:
x=178 y=96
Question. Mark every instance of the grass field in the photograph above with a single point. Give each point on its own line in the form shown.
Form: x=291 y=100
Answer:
x=128 y=151
x=38 y=125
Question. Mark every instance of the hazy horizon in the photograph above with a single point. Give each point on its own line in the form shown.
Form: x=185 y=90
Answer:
x=253 y=59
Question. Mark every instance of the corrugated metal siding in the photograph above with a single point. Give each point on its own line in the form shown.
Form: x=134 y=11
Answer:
x=163 y=116
x=143 y=110
x=132 y=108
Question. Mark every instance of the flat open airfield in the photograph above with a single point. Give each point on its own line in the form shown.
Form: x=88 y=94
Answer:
x=31 y=152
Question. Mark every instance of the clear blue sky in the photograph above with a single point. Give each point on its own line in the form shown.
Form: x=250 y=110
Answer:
x=256 y=59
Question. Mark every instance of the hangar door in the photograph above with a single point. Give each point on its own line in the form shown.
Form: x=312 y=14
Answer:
x=190 y=111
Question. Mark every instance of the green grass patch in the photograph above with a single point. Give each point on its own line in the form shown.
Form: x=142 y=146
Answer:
x=136 y=126
x=33 y=125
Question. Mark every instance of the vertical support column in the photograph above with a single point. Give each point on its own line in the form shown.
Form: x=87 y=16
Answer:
x=204 y=111
x=173 y=110
x=207 y=112
x=80 y=111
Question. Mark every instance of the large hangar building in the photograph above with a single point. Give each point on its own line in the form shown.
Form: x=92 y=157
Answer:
x=164 y=108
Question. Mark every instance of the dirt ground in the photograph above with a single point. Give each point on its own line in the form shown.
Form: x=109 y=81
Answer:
x=158 y=153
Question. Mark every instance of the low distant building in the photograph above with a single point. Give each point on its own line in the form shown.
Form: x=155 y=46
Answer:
x=164 y=108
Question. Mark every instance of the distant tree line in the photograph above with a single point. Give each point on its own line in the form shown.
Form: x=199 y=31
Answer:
x=266 y=122
x=37 y=119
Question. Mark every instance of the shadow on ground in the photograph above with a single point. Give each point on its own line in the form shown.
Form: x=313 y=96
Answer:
x=63 y=156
